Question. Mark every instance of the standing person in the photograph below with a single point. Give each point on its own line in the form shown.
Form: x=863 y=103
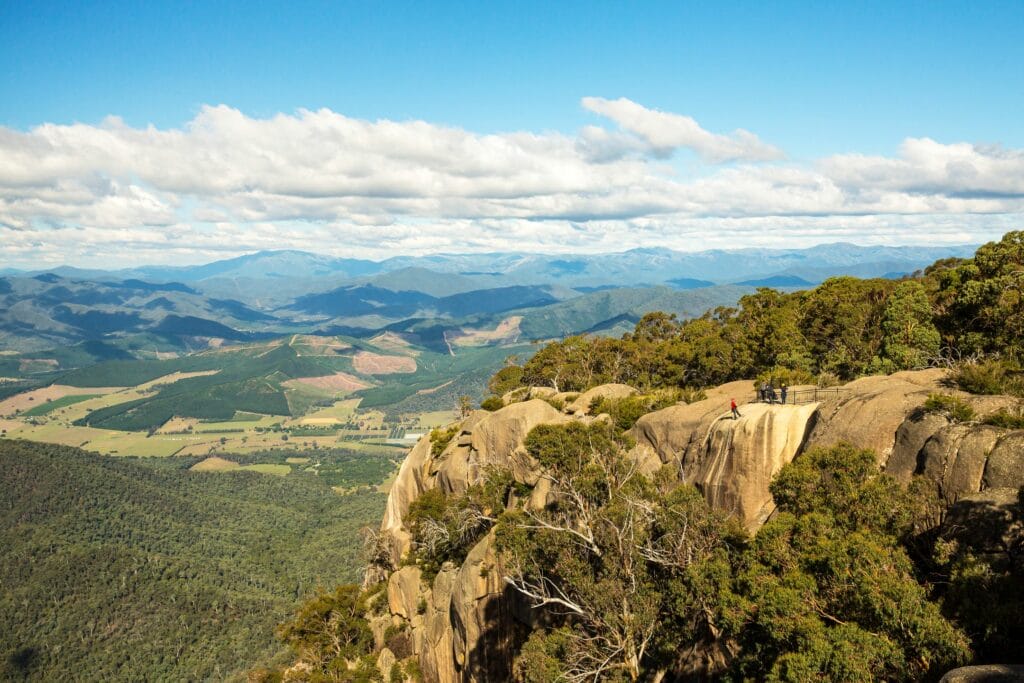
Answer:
x=764 y=392
x=772 y=396
x=735 y=410
x=785 y=389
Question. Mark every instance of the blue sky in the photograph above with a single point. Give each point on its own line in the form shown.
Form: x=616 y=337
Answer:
x=813 y=80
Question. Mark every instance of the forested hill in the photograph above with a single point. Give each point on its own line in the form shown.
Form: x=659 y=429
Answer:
x=113 y=569
x=966 y=312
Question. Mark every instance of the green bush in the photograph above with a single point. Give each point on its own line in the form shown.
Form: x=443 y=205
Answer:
x=1006 y=419
x=492 y=403
x=623 y=411
x=993 y=376
x=556 y=403
x=626 y=411
x=440 y=438
x=824 y=380
x=952 y=407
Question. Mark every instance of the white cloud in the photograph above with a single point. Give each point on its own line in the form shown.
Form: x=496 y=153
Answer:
x=228 y=183
x=664 y=132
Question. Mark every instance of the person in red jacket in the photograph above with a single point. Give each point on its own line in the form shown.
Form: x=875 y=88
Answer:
x=735 y=410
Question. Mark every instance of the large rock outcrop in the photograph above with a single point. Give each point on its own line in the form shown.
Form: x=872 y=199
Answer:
x=740 y=457
x=464 y=622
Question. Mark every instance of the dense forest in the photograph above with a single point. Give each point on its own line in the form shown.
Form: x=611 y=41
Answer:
x=139 y=569
x=957 y=312
x=635 y=577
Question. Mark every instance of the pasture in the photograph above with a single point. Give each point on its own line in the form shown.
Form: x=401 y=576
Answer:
x=50 y=406
x=20 y=403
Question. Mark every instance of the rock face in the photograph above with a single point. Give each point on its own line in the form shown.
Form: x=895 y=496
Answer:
x=986 y=673
x=871 y=410
x=581 y=405
x=465 y=622
x=454 y=619
x=740 y=457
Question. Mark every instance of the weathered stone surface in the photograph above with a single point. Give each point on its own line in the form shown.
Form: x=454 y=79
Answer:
x=986 y=673
x=404 y=592
x=964 y=473
x=741 y=457
x=465 y=625
x=871 y=410
x=385 y=660
x=498 y=439
x=408 y=486
x=483 y=617
x=911 y=437
x=452 y=468
x=1005 y=466
x=435 y=636
x=667 y=434
x=581 y=406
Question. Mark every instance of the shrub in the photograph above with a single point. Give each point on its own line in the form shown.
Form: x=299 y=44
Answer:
x=778 y=376
x=623 y=411
x=986 y=377
x=492 y=403
x=399 y=641
x=952 y=407
x=440 y=438
x=444 y=527
x=556 y=403
x=692 y=395
x=330 y=629
x=828 y=379
x=1006 y=419
x=626 y=411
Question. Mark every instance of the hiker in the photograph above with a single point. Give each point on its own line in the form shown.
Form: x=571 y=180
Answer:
x=764 y=392
x=785 y=389
x=772 y=396
x=735 y=410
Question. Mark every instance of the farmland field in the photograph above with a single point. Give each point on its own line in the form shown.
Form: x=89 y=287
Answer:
x=50 y=406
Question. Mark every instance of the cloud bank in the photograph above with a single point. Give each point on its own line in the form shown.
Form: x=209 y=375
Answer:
x=226 y=183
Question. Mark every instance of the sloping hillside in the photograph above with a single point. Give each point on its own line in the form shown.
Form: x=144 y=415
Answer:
x=117 y=570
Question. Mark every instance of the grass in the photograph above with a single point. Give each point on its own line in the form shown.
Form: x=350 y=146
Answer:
x=136 y=444
x=264 y=468
x=264 y=421
x=50 y=406
x=342 y=411
x=214 y=464
x=435 y=418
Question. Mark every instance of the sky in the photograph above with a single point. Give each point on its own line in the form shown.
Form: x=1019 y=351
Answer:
x=150 y=132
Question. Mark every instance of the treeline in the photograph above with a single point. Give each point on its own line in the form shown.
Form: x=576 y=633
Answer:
x=955 y=311
x=117 y=569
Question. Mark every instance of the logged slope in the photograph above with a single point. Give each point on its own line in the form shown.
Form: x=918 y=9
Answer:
x=48 y=310
x=603 y=310
x=117 y=570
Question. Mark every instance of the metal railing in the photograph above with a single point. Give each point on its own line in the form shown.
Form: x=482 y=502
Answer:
x=801 y=396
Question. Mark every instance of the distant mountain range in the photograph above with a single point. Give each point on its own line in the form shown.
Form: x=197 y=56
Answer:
x=284 y=275
x=169 y=309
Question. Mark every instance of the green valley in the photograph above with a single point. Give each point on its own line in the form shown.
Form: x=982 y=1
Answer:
x=127 y=568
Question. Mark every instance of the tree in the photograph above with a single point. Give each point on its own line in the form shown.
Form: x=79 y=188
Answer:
x=505 y=380
x=982 y=299
x=330 y=634
x=827 y=591
x=465 y=406
x=909 y=338
x=841 y=320
x=612 y=563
